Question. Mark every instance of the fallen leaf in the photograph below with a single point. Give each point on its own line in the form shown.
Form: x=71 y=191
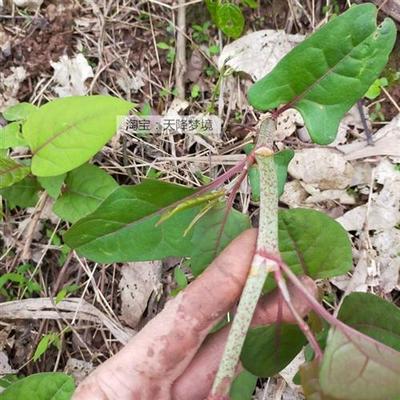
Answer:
x=286 y=124
x=386 y=142
x=5 y=367
x=9 y=86
x=291 y=370
x=383 y=212
x=294 y=194
x=28 y=3
x=326 y=168
x=195 y=66
x=339 y=195
x=138 y=281
x=78 y=369
x=71 y=74
x=387 y=246
x=361 y=278
x=267 y=46
x=130 y=83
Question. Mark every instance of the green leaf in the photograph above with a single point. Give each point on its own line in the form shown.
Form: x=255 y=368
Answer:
x=254 y=182
x=313 y=244
x=11 y=172
x=206 y=233
x=10 y=136
x=42 y=347
x=19 y=112
x=309 y=374
x=180 y=278
x=23 y=194
x=373 y=316
x=212 y=9
x=65 y=291
x=163 y=46
x=355 y=367
x=282 y=160
x=243 y=386
x=52 y=184
x=7 y=380
x=250 y=3
x=85 y=188
x=269 y=349
x=326 y=74
x=230 y=19
x=45 y=342
x=375 y=89
x=67 y=132
x=123 y=226
x=44 y=386
x=371 y=367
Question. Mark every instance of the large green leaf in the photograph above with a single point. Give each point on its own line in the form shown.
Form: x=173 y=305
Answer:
x=11 y=172
x=372 y=316
x=23 y=193
x=123 y=227
x=359 y=368
x=326 y=74
x=44 y=386
x=269 y=349
x=208 y=230
x=85 y=188
x=313 y=244
x=356 y=367
x=67 y=132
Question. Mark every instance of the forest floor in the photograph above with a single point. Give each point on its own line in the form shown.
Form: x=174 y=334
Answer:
x=128 y=49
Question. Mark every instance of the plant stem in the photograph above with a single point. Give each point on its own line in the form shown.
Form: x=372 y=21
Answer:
x=267 y=241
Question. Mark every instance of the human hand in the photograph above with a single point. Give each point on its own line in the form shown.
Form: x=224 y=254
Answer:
x=172 y=358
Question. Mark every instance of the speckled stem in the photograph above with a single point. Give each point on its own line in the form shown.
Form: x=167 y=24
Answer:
x=267 y=242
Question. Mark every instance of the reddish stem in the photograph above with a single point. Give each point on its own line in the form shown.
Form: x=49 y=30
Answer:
x=300 y=321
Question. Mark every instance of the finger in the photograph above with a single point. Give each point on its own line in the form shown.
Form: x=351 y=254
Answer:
x=168 y=342
x=162 y=350
x=195 y=383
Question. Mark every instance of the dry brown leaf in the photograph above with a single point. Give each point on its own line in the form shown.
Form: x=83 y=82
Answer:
x=9 y=86
x=383 y=212
x=286 y=124
x=195 y=66
x=339 y=195
x=69 y=309
x=387 y=245
x=130 y=83
x=78 y=369
x=5 y=367
x=267 y=47
x=71 y=74
x=31 y=4
x=294 y=194
x=139 y=280
x=386 y=142
x=323 y=167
